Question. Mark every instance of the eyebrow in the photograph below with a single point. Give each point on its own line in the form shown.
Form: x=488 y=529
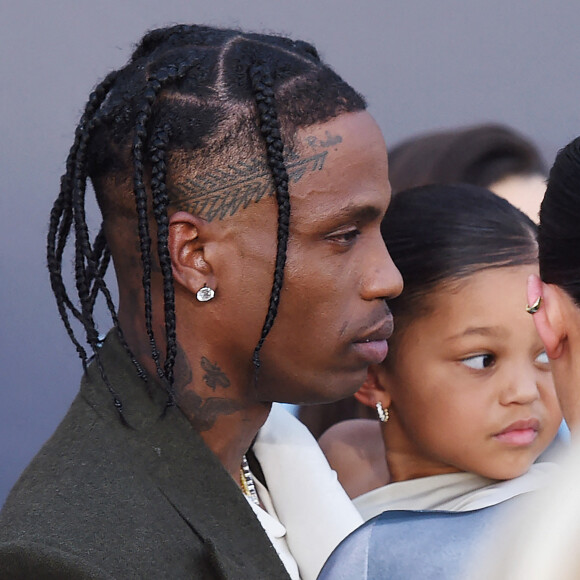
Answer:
x=494 y=331
x=361 y=213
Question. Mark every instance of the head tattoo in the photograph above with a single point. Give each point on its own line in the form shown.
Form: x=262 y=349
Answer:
x=191 y=98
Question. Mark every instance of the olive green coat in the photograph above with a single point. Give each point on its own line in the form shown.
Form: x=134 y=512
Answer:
x=103 y=500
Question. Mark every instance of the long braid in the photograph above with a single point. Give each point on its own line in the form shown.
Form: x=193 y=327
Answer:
x=85 y=267
x=102 y=257
x=131 y=121
x=160 y=204
x=61 y=218
x=139 y=144
x=154 y=86
x=100 y=261
x=67 y=211
x=270 y=129
x=54 y=264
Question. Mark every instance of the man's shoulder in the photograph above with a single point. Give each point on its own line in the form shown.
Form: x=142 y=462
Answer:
x=129 y=502
x=83 y=464
x=81 y=445
x=21 y=560
x=85 y=500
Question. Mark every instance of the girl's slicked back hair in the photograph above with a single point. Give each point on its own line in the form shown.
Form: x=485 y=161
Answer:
x=191 y=98
x=438 y=234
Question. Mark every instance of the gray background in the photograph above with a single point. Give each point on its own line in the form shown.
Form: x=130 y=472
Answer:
x=423 y=64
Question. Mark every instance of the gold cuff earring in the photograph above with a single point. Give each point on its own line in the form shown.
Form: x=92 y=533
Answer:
x=535 y=306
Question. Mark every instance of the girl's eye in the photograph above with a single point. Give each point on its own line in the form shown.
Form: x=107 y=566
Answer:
x=542 y=358
x=479 y=362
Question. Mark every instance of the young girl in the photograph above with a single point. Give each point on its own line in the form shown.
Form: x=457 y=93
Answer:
x=465 y=397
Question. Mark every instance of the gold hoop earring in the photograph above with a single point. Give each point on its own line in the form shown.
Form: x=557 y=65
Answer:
x=382 y=413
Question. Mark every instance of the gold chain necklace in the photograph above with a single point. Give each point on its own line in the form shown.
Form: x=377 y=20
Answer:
x=247 y=482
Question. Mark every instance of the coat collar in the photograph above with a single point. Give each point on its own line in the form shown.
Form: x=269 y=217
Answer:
x=196 y=485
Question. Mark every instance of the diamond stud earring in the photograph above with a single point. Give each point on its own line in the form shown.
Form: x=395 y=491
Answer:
x=205 y=294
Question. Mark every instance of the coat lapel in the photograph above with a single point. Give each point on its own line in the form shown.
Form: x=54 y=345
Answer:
x=187 y=473
x=199 y=488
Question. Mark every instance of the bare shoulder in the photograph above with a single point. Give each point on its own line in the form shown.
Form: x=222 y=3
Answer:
x=354 y=434
x=355 y=450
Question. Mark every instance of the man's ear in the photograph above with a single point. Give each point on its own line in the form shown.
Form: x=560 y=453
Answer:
x=186 y=248
x=548 y=319
x=374 y=389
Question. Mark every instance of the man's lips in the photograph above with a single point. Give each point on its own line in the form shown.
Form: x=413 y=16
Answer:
x=519 y=433
x=372 y=346
x=381 y=331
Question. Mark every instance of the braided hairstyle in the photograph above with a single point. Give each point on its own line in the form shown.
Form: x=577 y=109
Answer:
x=190 y=97
x=559 y=235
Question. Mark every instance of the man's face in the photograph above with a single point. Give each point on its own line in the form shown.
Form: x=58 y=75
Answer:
x=332 y=320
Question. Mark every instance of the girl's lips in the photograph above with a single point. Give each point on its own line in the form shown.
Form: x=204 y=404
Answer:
x=518 y=437
x=520 y=433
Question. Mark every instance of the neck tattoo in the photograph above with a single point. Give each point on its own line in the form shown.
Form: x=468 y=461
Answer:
x=247 y=482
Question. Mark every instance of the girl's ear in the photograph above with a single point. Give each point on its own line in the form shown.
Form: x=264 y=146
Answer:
x=191 y=267
x=374 y=389
x=549 y=319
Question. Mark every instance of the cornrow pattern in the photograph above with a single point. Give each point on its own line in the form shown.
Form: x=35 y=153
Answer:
x=179 y=35
x=270 y=129
x=129 y=128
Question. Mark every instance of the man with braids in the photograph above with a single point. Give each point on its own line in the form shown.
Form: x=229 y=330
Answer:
x=241 y=184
